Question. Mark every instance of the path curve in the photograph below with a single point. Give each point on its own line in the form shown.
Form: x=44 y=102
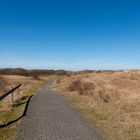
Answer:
x=50 y=117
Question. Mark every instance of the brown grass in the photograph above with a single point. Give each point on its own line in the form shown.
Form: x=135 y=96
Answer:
x=3 y=83
x=111 y=99
x=9 y=82
x=10 y=112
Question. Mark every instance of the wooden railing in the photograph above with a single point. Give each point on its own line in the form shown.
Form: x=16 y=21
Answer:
x=11 y=92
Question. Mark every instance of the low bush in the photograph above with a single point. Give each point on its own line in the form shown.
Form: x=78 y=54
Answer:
x=81 y=86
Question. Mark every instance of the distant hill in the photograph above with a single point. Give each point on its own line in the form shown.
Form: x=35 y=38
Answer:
x=25 y=72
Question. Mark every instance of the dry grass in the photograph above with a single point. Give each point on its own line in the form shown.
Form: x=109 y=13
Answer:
x=3 y=83
x=11 y=81
x=81 y=86
x=110 y=99
x=8 y=112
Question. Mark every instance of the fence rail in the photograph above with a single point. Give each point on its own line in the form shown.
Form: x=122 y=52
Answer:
x=10 y=92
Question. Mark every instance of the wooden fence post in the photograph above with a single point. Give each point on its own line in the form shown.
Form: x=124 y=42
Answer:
x=18 y=90
x=12 y=94
x=13 y=89
x=12 y=97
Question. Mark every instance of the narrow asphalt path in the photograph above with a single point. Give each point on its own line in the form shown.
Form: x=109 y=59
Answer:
x=50 y=117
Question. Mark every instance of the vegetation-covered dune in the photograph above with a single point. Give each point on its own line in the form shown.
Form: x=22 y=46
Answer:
x=110 y=99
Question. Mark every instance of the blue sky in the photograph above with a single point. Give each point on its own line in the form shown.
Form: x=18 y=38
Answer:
x=70 y=34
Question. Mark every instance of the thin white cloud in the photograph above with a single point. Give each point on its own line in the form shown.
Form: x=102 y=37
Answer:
x=87 y=64
x=10 y=62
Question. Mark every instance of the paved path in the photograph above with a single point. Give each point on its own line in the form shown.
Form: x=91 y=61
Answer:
x=50 y=117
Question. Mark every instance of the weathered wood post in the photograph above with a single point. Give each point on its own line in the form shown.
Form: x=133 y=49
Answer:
x=12 y=96
x=18 y=90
